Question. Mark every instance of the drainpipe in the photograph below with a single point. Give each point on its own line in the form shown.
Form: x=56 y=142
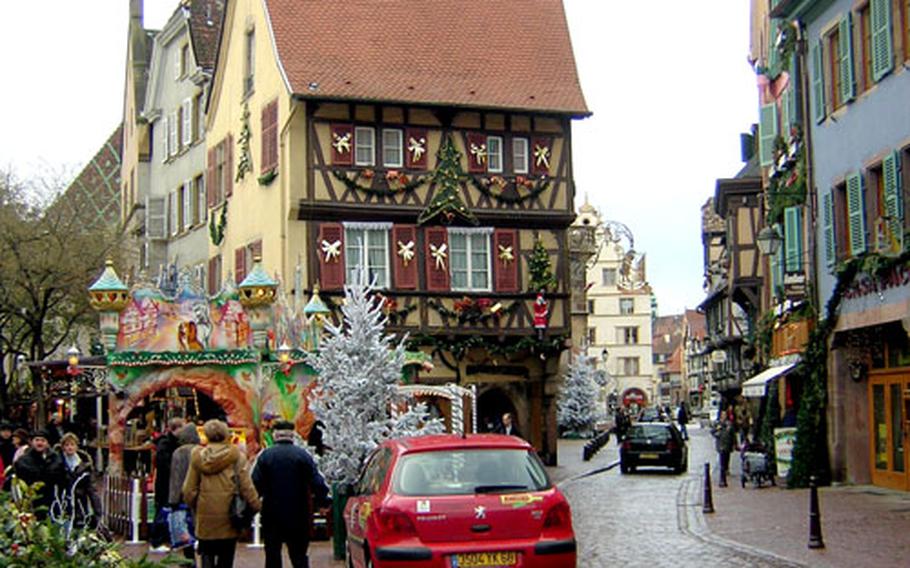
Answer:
x=811 y=194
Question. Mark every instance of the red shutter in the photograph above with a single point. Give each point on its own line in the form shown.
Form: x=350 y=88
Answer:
x=541 y=165
x=342 y=141
x=213 y=266
x=228 y=172
x=416 y=137
x=210 y=179
x=404 y=239
x=256 y=250
x=505 y=244
x=239 y=264
x=437 y=270
x=476 y=152
x=269 y=144
x=331 y=265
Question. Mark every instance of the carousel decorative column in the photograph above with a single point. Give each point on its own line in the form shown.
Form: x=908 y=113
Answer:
x=257 y=293
x=315 y=312
x=108 y=296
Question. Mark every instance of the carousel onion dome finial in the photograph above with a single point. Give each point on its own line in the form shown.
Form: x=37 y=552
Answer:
x=258 y=288
x=108 y=292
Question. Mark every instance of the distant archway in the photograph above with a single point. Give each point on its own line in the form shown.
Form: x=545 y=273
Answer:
x=492 y=403
x=216 y=384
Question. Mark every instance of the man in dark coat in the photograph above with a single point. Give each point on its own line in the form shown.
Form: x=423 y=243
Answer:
x=41 y=463
x=165 y=447
x=7 y=447
x=290 y=485
x=508 y=426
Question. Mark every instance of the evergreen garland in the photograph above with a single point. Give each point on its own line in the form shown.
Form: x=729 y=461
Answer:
x=447 y=177
x=388 y=190
x=174 y=358
x=474 y=312
x=787 y=186
x=458 y=346
x=245 y=163
x=216 y=231
x=540 y=274
x=509 y=187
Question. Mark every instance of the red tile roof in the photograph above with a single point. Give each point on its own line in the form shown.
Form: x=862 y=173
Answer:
x=205 y=29
x=510 y=54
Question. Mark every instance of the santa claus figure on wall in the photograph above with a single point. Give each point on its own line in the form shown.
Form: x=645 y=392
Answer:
x=541 y=313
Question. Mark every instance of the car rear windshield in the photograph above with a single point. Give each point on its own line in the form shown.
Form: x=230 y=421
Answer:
x=466 y=472
x=653 y=432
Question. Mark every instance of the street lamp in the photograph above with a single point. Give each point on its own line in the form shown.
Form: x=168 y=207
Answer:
x=769 y=241
x=72 y=360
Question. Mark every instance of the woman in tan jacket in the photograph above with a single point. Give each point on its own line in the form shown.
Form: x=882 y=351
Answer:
x=210 y=484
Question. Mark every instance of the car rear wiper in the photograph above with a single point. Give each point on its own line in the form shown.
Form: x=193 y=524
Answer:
x=498 y=488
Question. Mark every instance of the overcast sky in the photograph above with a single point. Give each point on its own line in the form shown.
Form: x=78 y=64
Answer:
x=669 y=86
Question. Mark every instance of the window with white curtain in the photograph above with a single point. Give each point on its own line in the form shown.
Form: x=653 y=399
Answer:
x=392 y=150
x=364 y=146
x=469 y=255
x=494 y=154
x=366 y=254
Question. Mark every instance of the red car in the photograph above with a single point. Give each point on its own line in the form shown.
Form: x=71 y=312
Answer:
x=483 y=500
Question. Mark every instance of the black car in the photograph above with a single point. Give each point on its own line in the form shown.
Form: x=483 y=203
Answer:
x=653 y=444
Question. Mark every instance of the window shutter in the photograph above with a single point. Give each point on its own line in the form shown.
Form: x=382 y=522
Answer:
x=330 y=249
x=773 y=55
x=818 y=81
x=437 y=265
x=894 y=208
x=171 y=214
x=156 y=214
x=239 y=264
x=229 y=166
x=404 y=253
x=785 y=112
x=541 y=156
x=416 y=138
x=856 y=214
x=269 y=144
x=211 y=276
x=173 y=141
x=777 y=266
x=845 y=46
x=164 y=139
x=187 y=204
x=256 y=250
x=505 y=259
x=342 y=144
x=187 y=122
x=177 y=51
x=793 y=239
x=882 y=42
x=210 y=179
x=767 y=132
x=476 y=152
x=828 y=229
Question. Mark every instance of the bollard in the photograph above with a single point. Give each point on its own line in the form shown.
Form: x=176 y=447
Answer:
x=708 y=506
x=815 y=518
x=257 y=532
x=135 y=511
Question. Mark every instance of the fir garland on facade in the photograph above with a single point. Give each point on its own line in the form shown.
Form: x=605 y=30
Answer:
x=540 y=273
x=447 y=177
x=468 y=310
x=458 y=346
x=245 y=163
x=179 y=358
x=216 y=231
x=787 y=185
x=508 y=189
x=394 y=184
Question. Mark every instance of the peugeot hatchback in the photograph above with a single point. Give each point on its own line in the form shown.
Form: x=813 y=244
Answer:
x=483 y=500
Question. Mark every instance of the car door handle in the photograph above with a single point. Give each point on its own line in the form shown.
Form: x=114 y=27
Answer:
x=480 y=528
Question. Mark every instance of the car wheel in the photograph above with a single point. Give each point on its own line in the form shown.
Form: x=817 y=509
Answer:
x=623 y=468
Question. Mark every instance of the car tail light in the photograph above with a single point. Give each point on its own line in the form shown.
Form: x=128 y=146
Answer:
x=627 y=445
x=671 y=446
x=558 y=517
x=395 y=522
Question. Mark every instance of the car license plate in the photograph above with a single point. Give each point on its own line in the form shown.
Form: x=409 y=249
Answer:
x=485 y=559
x=649 y=456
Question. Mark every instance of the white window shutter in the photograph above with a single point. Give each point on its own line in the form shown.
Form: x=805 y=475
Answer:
x=172 y=139
x=156 y=224
x=177 y=62
x=187 y=122
x=188 y=204
x=165 y=150
x=172 y=209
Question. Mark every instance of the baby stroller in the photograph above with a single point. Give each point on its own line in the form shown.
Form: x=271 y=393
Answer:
x=756 y=464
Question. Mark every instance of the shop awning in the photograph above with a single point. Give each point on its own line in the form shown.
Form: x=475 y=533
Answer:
x=757 y=385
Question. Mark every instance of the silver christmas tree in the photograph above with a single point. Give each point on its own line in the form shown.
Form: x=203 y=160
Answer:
x=576 y=407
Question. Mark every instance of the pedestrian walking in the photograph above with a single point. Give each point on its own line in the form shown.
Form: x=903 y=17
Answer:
x=180 y=522
x=41 y=463
x=682 y=418
x=724 y=441
x=82 y=505
x=508 y=426
x=217 y=472
x=165 y=446
x=291 y=487
x=21 y=441
x=7 y=447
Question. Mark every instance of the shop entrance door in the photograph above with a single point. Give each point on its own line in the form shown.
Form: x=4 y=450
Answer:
x=889 y=401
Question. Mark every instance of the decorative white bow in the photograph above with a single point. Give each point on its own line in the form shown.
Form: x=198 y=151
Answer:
x=342 y=144
x=406 y=251
x=541 y=156
x=479 y=153
x=331 y=250
x=439 y=255
x=505 y=254
x=416 y=148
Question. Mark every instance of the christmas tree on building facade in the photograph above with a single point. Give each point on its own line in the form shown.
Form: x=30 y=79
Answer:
x=359 y=368
x=576 y=407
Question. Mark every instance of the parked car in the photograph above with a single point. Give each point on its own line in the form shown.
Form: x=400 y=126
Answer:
x=653 y=444
x=650 y=414
x=452 y=501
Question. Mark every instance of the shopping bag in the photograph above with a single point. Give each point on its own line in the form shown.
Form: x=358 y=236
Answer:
x=180 y=524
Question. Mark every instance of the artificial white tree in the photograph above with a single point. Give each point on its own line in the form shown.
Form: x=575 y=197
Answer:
x=359 y=368
x=576 y=407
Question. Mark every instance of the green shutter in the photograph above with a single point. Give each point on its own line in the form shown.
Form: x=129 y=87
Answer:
x=777 y=267
x=793 y=239
x=828 y=229
x=818 y=81
x=792 y=102
x=785 y=116
x=767 y=132
x=893 y=206
x=773 y=55
x=882 y=42
x=856 y=214
x=845 y=46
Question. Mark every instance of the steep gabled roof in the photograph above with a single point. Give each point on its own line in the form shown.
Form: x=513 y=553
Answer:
x=205 y=21
x=509 y=54
x=95 y=193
